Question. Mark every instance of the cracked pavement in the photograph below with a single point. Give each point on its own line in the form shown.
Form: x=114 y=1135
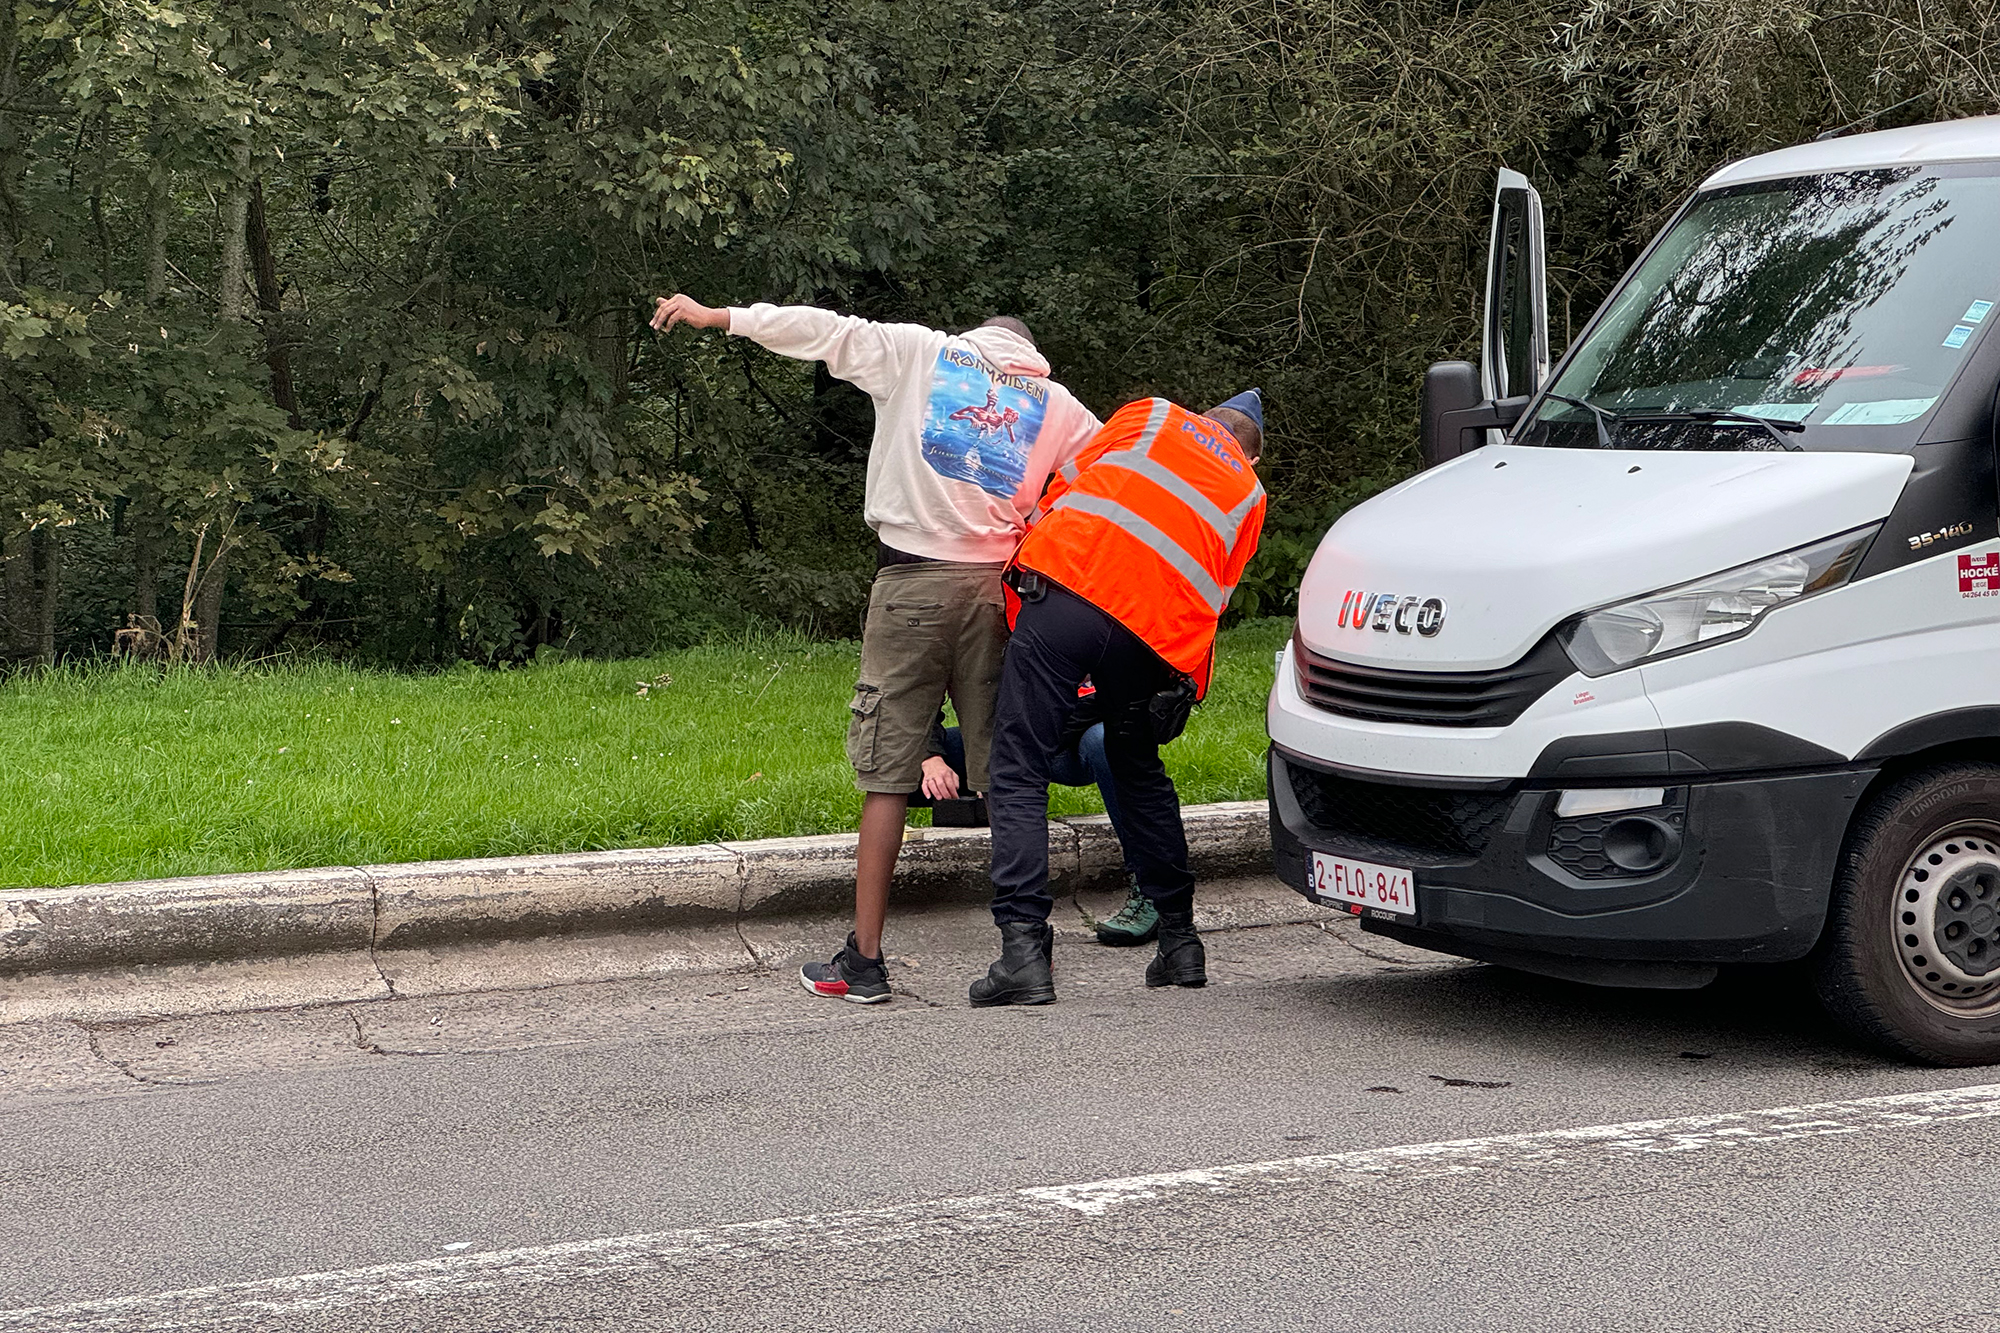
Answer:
x=375 y=928
x=500 y=1099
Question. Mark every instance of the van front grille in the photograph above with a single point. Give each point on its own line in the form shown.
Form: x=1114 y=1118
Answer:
x=1431 y=698
x=1392 y=821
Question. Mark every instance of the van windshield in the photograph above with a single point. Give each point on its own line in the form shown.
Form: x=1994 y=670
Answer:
x=1786 y=314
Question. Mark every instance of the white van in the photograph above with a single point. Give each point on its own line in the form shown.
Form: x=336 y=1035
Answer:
x=1687 y=652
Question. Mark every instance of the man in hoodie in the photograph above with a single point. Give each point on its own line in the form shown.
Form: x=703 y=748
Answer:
x=968 y=428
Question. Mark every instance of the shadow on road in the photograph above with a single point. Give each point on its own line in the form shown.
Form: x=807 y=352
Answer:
x=1753 y=1015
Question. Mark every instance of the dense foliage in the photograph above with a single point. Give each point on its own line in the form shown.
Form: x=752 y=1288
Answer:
x=323 y=324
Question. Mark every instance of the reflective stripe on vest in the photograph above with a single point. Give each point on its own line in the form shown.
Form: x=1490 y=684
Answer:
x=1242 y=511
x=1138 y=458
x=1154 y=420
x=1226 y=525
x=1158 y=542
x=1153 y=554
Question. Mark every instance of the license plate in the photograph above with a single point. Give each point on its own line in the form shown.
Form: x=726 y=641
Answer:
x=1360 y=884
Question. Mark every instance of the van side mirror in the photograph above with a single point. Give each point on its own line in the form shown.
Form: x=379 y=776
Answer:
x=1455 y=416
x=1449 y=387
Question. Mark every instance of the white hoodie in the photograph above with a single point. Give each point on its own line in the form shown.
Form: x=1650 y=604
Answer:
x=967 y=426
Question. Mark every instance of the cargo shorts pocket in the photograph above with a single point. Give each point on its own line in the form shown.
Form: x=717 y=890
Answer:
x=913 y=614
x=863 y=726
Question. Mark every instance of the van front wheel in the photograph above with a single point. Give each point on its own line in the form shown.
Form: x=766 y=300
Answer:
x=1911 y=958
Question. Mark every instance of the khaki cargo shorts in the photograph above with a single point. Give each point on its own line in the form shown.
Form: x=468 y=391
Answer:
x=933 y=629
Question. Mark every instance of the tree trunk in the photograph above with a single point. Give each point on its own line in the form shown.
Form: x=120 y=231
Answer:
x=608 y=330
x=208 y=606
x=235 y=218
x=106 y=149
x=368 y=402
x=159 y=211
x=17 y=580
x=10 y=160
x=47 y=546
x=11 y=278
x=277 y=350
x=145 y=566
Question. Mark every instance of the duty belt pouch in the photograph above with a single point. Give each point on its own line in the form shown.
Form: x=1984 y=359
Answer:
x=1168 y=710
x=1026 y=583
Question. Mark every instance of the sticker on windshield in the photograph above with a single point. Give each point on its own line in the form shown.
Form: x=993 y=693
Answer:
x=1776 y=411
x=1977 y=311
x=1958 y=335
x=1885 y=412
x=1979 y=574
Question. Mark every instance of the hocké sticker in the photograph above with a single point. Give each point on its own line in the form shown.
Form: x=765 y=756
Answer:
x=1979 y=574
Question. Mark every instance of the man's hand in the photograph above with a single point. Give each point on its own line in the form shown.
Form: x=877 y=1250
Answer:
x=679 y=309
x=940 y=781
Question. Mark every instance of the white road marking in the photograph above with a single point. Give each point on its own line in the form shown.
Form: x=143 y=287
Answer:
x=1038 y=1205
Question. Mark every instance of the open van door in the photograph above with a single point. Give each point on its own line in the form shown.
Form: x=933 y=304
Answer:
x=1514 y=345
x=1464 y=406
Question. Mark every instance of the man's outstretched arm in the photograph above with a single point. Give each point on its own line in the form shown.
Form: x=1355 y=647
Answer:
x=870 y=356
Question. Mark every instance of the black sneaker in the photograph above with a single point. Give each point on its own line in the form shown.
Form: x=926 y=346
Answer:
x=848 y=976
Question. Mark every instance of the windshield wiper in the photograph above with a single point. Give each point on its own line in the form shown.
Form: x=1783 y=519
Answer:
x=1606 y=419
x=1772 y=425
x=1603 y=416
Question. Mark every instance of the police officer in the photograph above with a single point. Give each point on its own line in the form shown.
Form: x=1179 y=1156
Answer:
x=1133 y=554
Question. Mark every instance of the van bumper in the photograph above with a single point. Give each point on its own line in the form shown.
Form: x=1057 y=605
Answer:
x=1740 y=867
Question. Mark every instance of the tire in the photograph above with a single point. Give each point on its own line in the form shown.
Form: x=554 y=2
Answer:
x=1911 y=956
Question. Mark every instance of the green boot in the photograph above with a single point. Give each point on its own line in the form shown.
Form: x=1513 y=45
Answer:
x=1137 y=921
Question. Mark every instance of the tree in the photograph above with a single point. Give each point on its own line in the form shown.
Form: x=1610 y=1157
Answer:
x=363 y=286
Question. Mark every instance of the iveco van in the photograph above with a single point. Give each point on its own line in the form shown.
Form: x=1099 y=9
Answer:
x=1685 y=652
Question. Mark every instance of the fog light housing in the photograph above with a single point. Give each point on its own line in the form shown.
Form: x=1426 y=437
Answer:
x=1608 y=801
x=1607 y=834
x=1639 y=844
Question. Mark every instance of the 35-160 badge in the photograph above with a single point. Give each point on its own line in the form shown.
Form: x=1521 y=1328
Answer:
x=1923 y=539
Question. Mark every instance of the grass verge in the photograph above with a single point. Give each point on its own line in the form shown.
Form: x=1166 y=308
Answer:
x=125 y=773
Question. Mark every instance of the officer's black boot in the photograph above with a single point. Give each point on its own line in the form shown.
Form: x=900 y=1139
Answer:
x=1180 y=959
x=1021 y=976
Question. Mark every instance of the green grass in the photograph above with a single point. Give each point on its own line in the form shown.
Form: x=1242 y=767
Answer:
x=127 y=773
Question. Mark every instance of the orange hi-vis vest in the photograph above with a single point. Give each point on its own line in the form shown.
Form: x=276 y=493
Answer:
x=1153 y=524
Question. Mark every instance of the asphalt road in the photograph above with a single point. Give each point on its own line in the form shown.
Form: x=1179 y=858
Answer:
x=586 y=1156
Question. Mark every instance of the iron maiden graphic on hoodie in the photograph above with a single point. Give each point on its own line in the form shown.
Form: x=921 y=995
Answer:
x=982 y=423
x=967 y=426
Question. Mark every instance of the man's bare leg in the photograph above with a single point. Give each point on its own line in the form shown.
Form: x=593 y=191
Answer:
x=882 y=817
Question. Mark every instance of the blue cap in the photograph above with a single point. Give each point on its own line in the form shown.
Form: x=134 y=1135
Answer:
x=1250 y=403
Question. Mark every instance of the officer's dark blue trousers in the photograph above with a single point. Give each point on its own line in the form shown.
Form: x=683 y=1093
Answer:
x=1081 y=765
x=1057 y=641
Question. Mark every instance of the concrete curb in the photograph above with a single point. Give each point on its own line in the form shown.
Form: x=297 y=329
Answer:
x=419 y=905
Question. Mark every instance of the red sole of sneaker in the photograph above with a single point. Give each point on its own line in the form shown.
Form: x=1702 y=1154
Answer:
x=837 y=990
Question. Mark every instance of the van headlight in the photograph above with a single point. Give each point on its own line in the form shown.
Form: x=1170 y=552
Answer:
x=1709 y=610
